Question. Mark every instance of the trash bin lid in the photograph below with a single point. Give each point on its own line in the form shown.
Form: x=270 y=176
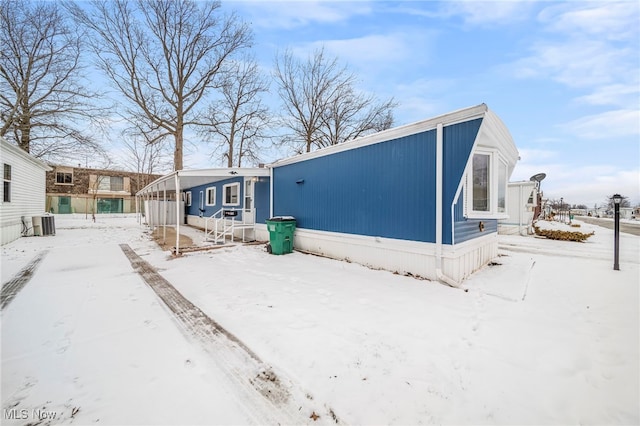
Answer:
x=282 y=219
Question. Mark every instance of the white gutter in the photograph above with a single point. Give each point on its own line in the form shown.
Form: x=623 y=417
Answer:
x=270 y=192
x=439 y=191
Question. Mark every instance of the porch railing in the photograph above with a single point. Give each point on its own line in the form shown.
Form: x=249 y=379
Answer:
x=223 y=224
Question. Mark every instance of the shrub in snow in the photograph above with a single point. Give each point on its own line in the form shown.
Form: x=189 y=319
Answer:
x=556 y=234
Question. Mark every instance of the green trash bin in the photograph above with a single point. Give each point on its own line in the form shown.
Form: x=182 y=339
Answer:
x=281 y=230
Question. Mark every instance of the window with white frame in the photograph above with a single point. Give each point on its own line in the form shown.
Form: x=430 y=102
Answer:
x=6 y=184
x=211 y=196
x=502 y=186
x=481 y=191
x=187 y=198
x=231 y=194
x=485 y=188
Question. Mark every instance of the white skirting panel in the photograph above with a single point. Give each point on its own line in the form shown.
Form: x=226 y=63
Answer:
x=376 y=252
x=461 y=260
x=262 y=234
x=400 y=256
x=196 y=221
x=11 y=231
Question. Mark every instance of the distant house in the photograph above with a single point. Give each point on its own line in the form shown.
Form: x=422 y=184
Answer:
x=423 y=199
x=209 y=196
x=522 y=206
x=85 y=190
x=23 y=191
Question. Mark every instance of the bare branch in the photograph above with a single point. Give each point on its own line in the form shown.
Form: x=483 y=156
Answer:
x=42 y=98
x=321 y=104
x=162 y=56
x=239 y=120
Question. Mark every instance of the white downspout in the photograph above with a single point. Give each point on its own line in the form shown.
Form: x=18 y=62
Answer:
x=178 y=199
x=439 y=191
x=270 y=192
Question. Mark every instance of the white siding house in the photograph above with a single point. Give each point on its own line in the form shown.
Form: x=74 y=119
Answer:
x=23 y=190
x=522 y=200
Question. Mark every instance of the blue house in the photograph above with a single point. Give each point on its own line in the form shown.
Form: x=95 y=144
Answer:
x=423 y=199
x=224 y=202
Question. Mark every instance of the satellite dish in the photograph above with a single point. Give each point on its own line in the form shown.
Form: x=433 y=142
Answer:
x=538 y=178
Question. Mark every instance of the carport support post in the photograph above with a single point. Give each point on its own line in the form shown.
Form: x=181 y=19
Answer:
x=178 y=199
x=158 y=204
x=164 y=212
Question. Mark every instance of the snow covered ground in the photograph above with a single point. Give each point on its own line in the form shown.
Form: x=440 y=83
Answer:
x=549 y=334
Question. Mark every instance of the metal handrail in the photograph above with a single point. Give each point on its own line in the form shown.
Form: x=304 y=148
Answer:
x=227 y=229
x=206 y=222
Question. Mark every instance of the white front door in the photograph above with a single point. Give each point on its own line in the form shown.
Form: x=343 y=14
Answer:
x=249 y=213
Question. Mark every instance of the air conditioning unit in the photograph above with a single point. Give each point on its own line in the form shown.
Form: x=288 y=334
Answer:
x=43 y=225
x=48 y=225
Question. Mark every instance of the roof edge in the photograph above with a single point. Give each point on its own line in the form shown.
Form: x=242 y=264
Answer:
x=218 y=172
x=449 y=118
x=20 y=152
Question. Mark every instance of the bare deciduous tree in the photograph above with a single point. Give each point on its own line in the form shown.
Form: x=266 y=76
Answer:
x=624 y=202
x=42 y=99
x=163 y=57
x=321 y=103
x=144 y=158
x=239 y=119
x=350 y=115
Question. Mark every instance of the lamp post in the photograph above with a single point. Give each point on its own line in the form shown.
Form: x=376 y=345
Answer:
x=616 y=231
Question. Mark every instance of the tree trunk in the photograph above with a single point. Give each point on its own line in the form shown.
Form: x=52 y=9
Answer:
x=24 y=139
x=177 y=153
x=230 y=152
x=25 y=128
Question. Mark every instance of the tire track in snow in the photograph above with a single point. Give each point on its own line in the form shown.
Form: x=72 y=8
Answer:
x=279 y=402
x=12 y=287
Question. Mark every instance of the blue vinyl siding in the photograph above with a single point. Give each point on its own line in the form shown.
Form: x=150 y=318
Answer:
x=458 y=142
x=261 y=199
x=385 y=189
x=469 y=229
x=209 y=210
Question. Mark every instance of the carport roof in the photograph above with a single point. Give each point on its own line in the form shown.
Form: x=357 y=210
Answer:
x=189 y=178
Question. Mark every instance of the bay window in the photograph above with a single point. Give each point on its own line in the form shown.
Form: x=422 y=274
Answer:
x=481 y=179
x=486 y=185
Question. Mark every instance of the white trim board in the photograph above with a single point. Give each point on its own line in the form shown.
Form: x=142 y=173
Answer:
x=448 y=119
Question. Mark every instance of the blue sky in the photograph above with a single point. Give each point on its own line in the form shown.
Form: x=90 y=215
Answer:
x=563 y=76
